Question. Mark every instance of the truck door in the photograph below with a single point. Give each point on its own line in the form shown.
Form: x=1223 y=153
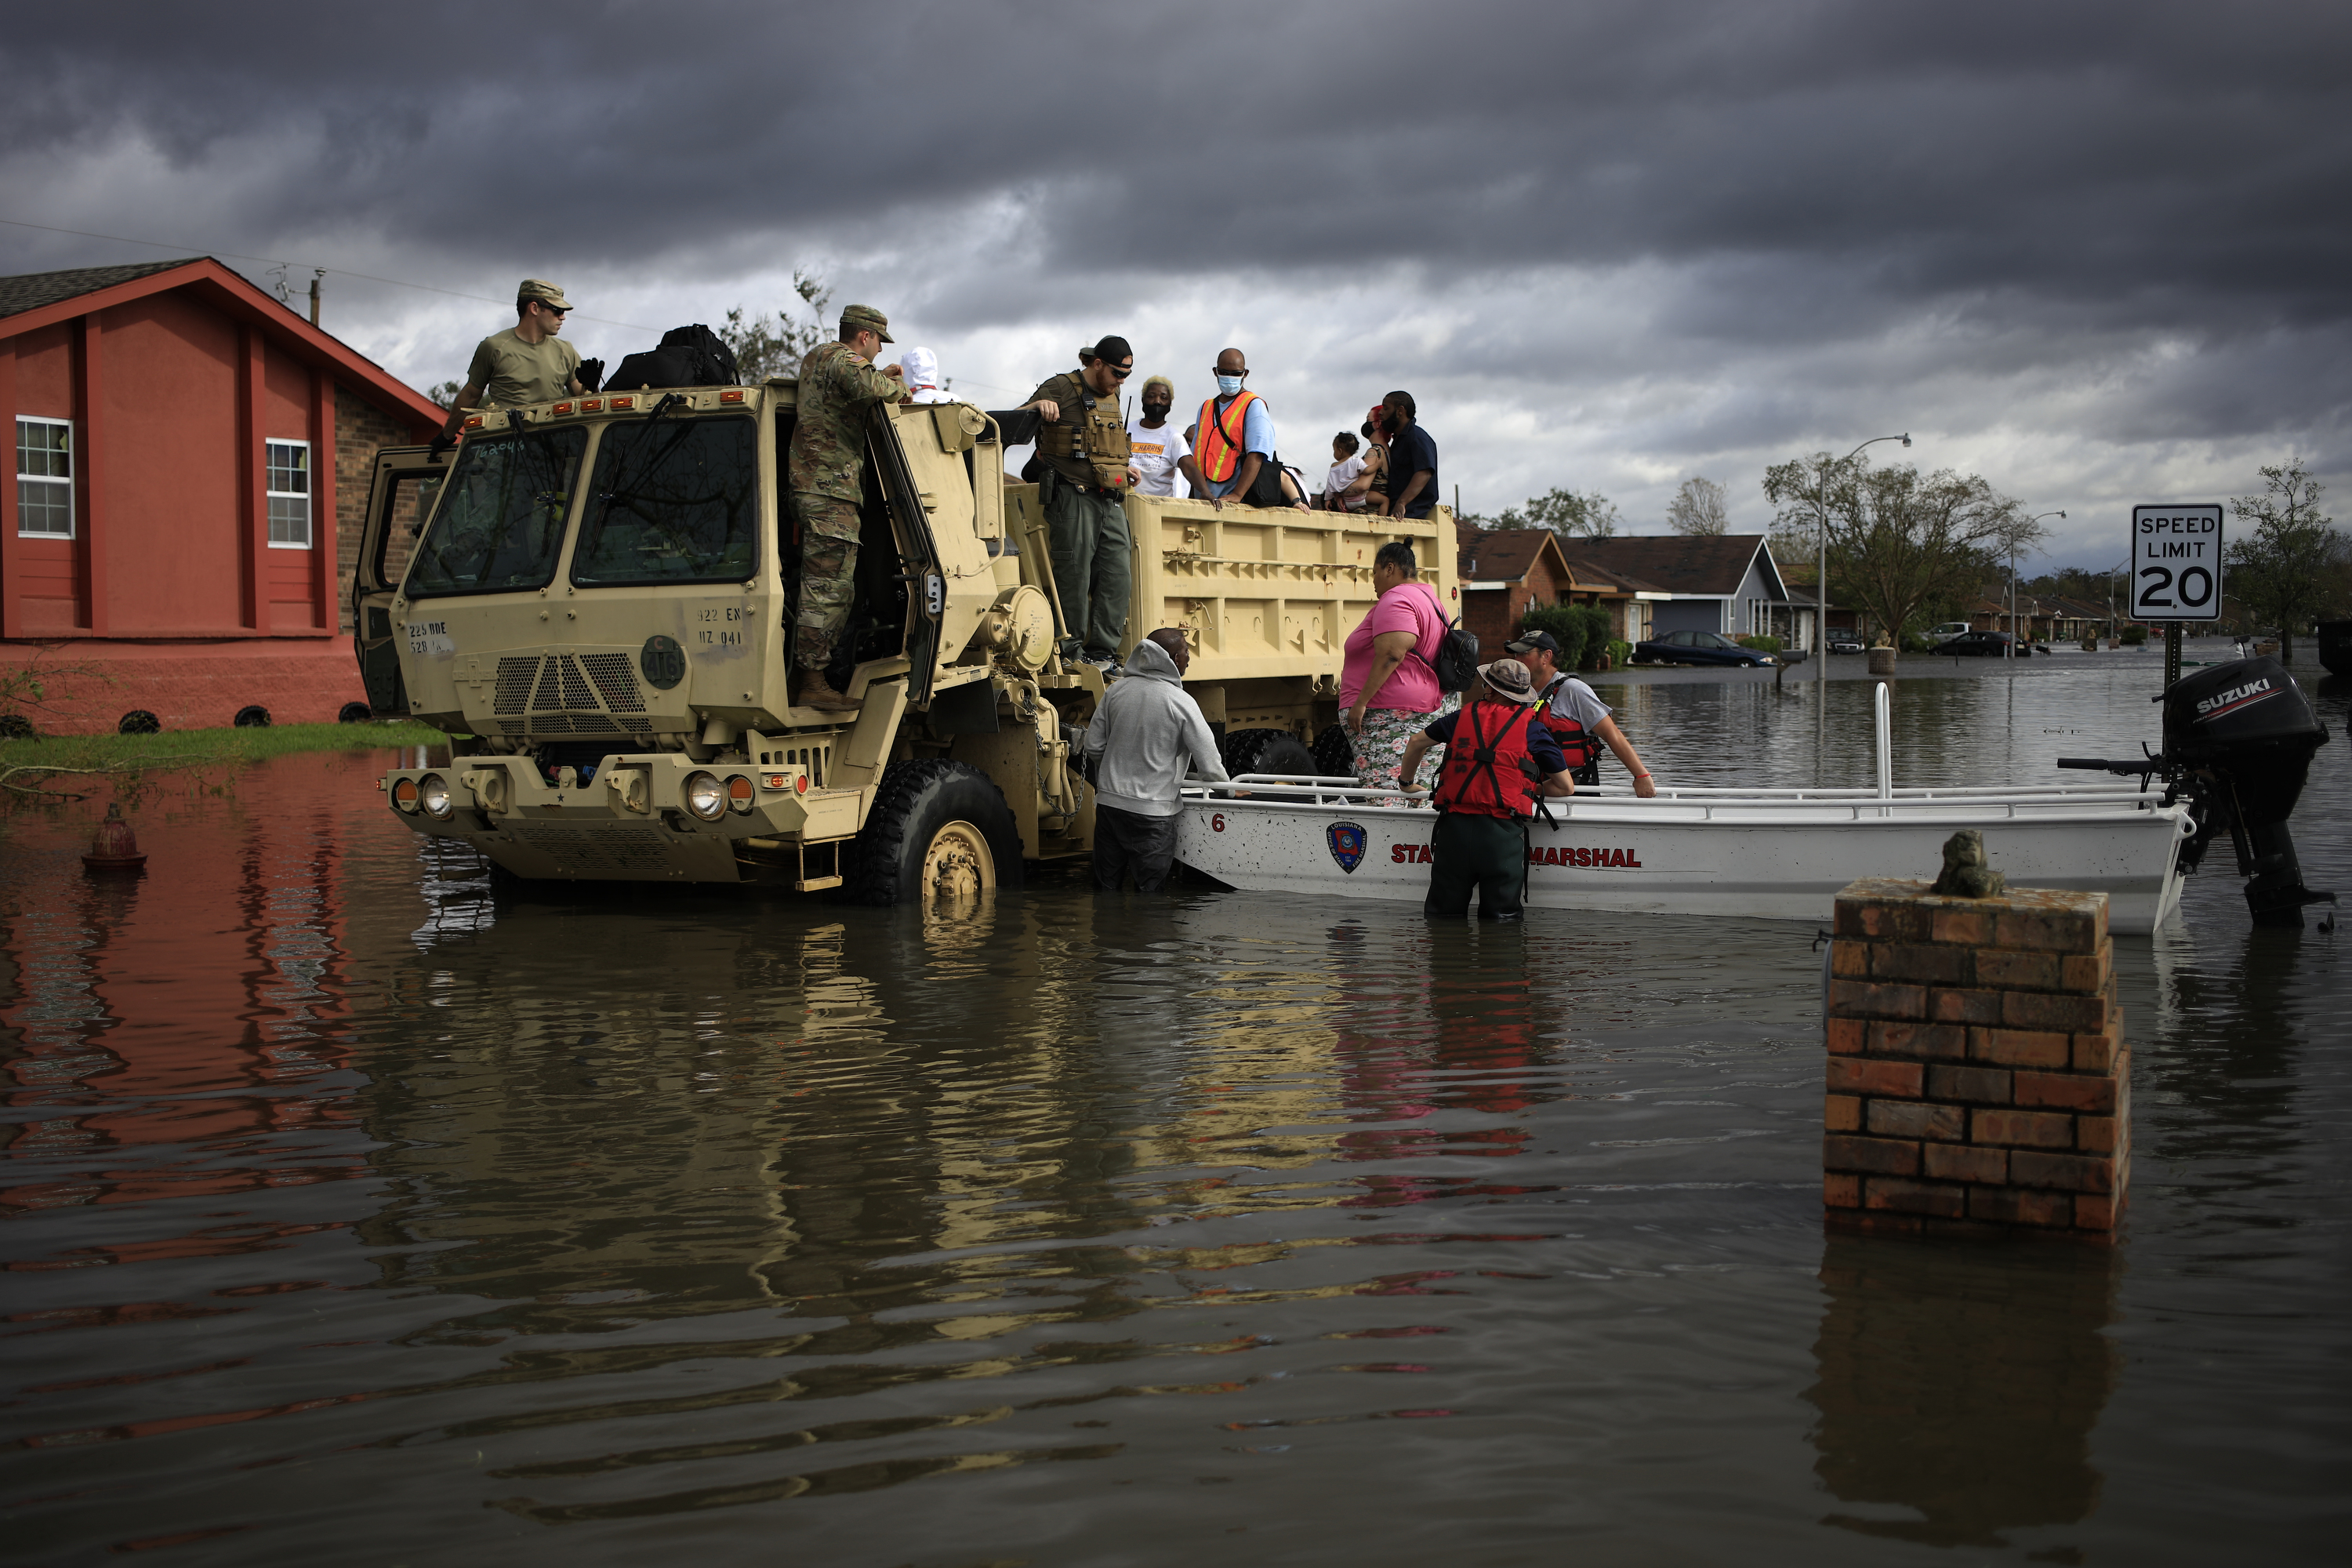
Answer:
x=919 y=555
x=400 y=498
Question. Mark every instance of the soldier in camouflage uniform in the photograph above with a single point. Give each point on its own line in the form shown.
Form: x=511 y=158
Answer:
x=839 y=384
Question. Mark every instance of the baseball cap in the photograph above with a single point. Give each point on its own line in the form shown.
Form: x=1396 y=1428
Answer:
x=1526 y=640
x=1508 y=680
x=540 y=288
x=855 y=315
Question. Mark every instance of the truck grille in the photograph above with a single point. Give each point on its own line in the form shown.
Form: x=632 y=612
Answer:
x=569 y=694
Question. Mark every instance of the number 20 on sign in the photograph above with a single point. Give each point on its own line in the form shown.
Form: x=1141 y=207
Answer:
x=2176 y=564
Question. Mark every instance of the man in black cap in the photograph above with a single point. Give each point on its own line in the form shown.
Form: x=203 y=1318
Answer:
x=1090 y=470
x=1576 y=716
x=1499 y=757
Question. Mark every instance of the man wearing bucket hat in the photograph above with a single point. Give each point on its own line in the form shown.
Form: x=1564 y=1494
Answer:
x=528 y=362
x=840 y=387
x=1499 y=757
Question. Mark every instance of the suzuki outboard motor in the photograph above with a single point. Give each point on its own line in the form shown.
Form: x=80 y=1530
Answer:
x=2238 y=744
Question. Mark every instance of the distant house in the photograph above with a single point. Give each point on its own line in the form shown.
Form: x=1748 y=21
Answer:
x=1507 y=572
x=1725 y=583
x=192 y=461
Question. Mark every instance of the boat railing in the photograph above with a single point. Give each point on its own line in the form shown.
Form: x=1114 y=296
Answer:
x=1962 y=806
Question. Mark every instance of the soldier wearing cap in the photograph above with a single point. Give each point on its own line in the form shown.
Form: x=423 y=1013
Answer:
x=840 y=387
x=528 y=362
x=1499 y=757
x=1089 y=469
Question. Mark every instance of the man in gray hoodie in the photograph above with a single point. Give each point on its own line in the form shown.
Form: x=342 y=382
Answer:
x=1143 y=736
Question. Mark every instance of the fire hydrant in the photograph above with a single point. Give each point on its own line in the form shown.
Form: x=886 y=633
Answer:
x=114 y=848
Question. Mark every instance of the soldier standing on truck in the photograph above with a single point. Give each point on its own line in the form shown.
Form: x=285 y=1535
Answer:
x=528 y=362
x=839 y=386
x=1089 y=468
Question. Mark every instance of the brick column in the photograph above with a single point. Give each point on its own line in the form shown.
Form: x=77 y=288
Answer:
x=1978 y=1074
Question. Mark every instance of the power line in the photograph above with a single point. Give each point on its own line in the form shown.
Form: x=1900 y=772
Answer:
x=281 y=262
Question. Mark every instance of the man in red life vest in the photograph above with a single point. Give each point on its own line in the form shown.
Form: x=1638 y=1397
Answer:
x=1498 y=755
x=1577 y=717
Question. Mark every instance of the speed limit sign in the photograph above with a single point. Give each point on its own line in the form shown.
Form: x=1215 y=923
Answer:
x=2176 y=564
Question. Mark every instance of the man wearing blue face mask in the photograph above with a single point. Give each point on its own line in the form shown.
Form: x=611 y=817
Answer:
x=1237 y=441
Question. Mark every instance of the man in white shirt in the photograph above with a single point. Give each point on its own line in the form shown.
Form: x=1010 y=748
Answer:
x=1160 y=452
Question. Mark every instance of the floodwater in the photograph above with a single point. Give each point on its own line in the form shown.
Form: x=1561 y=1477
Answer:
x=354 y=1216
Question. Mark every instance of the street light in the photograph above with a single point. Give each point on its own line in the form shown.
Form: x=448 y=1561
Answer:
x=1822 y=581
x=2011 y=651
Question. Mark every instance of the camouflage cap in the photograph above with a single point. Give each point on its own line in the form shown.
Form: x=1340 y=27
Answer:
x=542 y=290
x=867 y=316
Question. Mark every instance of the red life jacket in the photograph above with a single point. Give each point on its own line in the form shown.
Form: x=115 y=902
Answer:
x=1489 y=774
x=1579 y=745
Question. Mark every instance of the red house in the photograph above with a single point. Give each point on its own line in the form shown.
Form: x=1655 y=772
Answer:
x=192 y=460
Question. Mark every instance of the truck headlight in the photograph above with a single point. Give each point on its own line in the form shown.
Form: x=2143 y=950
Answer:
x=433 y=794
x=706 y=797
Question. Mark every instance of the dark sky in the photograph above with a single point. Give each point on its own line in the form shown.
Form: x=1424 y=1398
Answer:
x=2097 y=253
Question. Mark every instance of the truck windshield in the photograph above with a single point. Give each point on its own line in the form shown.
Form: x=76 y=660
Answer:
x=675 y=502
x=502 y=526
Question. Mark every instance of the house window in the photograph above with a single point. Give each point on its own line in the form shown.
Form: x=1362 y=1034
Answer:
x=289 y=494
x=45 y=479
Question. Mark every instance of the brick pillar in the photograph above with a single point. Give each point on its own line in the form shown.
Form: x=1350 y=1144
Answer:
x=1978 y=1073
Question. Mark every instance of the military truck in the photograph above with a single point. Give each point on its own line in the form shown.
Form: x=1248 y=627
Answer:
x=594 y=599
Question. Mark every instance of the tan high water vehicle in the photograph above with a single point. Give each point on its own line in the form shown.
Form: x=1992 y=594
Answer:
x=594 y=599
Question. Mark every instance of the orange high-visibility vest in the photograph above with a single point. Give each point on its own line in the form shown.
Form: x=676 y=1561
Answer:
x=1219 y=449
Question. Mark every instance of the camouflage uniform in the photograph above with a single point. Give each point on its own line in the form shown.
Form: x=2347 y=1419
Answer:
x=1088 y=533
x=837 y=388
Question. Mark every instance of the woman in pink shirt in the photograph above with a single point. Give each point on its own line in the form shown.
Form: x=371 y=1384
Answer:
x=1388 y=681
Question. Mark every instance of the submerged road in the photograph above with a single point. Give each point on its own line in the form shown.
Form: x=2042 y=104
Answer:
x=352 y=1214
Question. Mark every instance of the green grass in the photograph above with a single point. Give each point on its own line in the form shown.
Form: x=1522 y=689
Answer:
x=51 y=761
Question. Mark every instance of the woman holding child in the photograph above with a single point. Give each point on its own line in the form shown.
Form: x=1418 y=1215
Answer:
x=1388 y=680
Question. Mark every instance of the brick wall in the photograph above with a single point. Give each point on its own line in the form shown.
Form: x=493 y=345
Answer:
x=1978 y=1074
x=361 y=429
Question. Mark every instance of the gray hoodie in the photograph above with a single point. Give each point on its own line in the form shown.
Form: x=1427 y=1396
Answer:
x=1145 y=732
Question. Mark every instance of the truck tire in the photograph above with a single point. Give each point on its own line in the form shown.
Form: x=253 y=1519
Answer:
x=938 y=829
x=1266 y=752
x=1335 y=753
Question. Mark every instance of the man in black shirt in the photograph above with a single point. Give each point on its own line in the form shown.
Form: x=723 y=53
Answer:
x=1412 y=458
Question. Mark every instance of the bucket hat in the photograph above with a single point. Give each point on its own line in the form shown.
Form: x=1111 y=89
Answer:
x=1508 y=680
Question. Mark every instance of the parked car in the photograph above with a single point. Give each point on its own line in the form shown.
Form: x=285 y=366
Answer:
x=1698 y=647
x=1989 y=645
x=1845 y=642
x=1934 y=636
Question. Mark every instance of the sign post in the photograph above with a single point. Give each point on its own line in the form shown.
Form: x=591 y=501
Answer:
x=2176 y=571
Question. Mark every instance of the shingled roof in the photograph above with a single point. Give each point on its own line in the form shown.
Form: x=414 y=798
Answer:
x=31 y=290
x=1700 y=566
x=1503 y=554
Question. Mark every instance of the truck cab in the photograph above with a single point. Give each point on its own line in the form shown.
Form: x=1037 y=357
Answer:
x=594 y=599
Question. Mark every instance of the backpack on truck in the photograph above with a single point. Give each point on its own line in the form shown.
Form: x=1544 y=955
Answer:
x=689 y=356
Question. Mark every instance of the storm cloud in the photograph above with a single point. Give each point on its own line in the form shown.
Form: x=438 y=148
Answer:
x=2096 y=253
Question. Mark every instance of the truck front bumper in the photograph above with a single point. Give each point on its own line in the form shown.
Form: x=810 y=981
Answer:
x=633 y=820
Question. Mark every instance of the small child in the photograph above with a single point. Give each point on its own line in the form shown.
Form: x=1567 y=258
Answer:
x=1346 y=467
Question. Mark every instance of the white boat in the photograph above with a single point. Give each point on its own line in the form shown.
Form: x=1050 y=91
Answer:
x=1764 y=853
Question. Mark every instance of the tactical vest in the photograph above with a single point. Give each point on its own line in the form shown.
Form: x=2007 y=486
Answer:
x=1093 y=434
x=1220 y=447
x=1488 y=776
x=1579 y=745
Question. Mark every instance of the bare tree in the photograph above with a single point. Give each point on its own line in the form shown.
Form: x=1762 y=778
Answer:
x=769 y=346
x=1698 y=508
x=2293 y=567
x=1898 y=540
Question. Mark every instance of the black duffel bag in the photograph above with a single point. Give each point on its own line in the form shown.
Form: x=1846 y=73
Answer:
x=689 y=356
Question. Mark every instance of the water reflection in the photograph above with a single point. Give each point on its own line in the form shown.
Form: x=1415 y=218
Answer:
x=1958 y=1386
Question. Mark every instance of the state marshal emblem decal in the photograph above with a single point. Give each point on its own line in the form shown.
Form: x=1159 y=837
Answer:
x=1346 y=840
